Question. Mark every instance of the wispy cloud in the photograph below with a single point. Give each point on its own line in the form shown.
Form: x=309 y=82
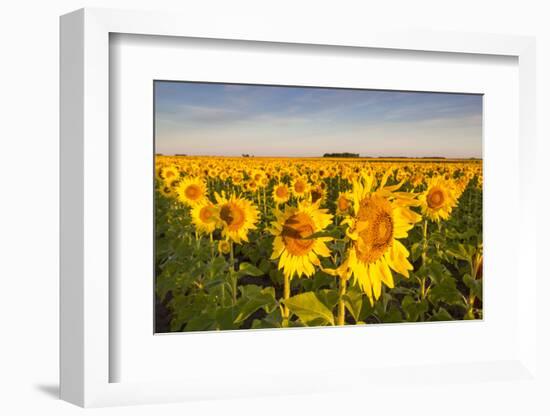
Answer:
x=197 y=118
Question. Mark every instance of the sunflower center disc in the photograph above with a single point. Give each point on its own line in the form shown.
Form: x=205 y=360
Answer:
x=192 y=192
x=376 y=223
x=343 y=203
x=436 y=199
x=232 y=215
x=281 y=192
x=315 y=196
x=299 y=186
x=295 y=230
x=205 y=214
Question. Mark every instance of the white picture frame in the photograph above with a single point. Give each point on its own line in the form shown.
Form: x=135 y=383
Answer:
x=86 y=355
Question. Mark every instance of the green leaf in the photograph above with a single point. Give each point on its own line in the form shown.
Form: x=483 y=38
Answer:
x=265 y=265
x=201 y=323
x=437 y=272
x=217 y=266
x=247 y=269
x=446 y=291
x=366 y=310
x=165 y=282
x=321 y=279
x=225 y=318
x=354 y=303
x=213 y=283
x=273 y=319
x=416 y=251
x=441 y=315
x=393 y=315
x=334 y=233
x=254 y=299
x=413 y=309
x=474 y=285
x=309 y=308
x=257 y=324
x=437 y=238
x=461 y=252
x=329 y=297
x=276 y=276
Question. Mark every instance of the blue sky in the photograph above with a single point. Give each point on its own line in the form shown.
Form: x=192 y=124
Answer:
x=229 y=120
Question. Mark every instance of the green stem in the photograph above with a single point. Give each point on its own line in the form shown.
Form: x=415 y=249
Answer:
x=424 y=252
x=265 y=208
x=197 y=239
x=341 y=304
x=212 y=246
x=232 y=272
x=474 y=264
x=286 y=296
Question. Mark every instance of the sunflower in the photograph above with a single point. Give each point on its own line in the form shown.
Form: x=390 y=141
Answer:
x=439 y=199
x=300 y=187
x=296 y=253
x=158 y=170
x=281 y=193
x=264 y=181
x=191 y=191
x=237 y=178
x=170 y=174
x=317 y=194
x=252 y=185
x=237 y=217
x=416 y=180
x=166 y=191
x=381 y=216
x=223 y=176
x=203 y=216
x=344 y=203
x=224 y=247
x=257 y=176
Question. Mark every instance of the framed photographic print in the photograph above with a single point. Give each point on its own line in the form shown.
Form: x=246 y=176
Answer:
x=320 y=212
x=287 y=206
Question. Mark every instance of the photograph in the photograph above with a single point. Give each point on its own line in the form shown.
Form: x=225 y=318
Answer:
x=282 y=206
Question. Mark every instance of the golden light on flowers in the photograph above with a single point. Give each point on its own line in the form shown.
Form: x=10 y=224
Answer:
x=416 y=180
x=237 y=216
x=298 y=221
x=166 y=191
x=224 y=246
x=169 y=173
x=381 y=217
x=191 y=191
x=237 y=178
x=317 y=194
x=375 y=228
x=296 y=252
x=343 y=203
x=439 y=199
x=257 y=176
x=281 y=193
x=264 y=181
x=300 y=187
x=252 y=185
x=204 y=217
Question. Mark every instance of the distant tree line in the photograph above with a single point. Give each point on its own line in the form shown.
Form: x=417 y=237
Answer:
x=345 y=154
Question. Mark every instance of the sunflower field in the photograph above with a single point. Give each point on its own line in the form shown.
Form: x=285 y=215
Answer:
x=249 y=243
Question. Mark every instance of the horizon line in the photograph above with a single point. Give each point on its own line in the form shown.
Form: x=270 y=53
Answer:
x=324 y=157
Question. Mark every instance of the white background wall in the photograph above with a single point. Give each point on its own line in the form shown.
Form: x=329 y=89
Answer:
x=29 y=57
